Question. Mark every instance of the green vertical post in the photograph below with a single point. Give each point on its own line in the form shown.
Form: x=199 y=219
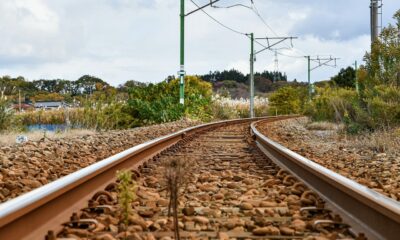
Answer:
x=182 y=56
x=309 y=78
x=357 y=85
x=252 y=75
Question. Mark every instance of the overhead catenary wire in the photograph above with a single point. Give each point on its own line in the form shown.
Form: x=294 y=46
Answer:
x=219 y=22
x=258 y=14
x=255 y=10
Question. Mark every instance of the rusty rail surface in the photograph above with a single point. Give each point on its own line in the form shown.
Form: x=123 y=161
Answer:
x=31 y=215
x=368 y=211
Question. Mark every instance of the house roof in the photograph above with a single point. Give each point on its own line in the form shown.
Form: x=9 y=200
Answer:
x=48 y=104
x=23 y=106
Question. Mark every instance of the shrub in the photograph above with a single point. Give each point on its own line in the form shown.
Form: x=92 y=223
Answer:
x=285 y=100
x=103 y=116
x=158 y=103
x=383 y=104
x=332 y=104
x=6 y=115
x=379 y=107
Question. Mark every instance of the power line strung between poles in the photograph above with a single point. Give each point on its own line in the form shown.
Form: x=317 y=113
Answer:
x=218 y=22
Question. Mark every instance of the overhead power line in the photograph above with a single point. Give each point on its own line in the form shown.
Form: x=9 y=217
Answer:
x=258 y=14
x=218 y=22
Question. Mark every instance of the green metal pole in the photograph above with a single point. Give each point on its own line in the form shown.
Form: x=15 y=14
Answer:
x=309 y=77
x=252 y=75
x=182 y=56
x=357 y=85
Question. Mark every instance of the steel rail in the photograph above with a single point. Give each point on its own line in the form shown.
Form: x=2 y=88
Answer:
x=31 y=215
x=367 y=211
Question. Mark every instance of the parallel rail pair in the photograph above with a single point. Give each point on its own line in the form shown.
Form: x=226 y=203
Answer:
x=31 y=215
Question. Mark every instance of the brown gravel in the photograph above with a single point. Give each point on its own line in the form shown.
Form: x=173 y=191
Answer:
x=343 y=154
x=234 y=192
x=30 y=165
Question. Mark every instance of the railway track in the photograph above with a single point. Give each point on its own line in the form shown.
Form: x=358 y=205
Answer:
x=233 y=191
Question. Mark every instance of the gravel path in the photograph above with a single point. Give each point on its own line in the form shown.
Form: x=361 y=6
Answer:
x=30 y=165
x=343 y=154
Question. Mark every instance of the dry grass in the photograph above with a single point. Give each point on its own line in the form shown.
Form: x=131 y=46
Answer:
x=380 y=141
x=323 y=126
x=9 y=138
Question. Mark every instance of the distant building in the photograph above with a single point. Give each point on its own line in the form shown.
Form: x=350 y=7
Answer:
x=49 y=105
x=23 y=107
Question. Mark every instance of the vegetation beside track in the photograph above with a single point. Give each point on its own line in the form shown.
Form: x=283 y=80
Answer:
x=372 y=105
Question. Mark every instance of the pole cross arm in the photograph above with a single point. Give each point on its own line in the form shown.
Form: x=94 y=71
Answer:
x=200 y=8
x=281 y=39
x=325 y=63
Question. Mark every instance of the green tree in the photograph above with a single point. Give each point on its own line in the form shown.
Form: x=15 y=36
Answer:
x=87 y=84
x=345 y=78
x=383 y=63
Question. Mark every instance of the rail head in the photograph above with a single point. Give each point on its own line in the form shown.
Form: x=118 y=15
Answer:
x=369 y=211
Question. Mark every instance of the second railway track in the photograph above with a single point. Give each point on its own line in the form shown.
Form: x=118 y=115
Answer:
x=234 y=192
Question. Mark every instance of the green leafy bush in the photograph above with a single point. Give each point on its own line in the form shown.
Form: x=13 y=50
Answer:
x=158 y=103
x=379 y=107
x=285 y=100
x=332 y=104
x=383 y=105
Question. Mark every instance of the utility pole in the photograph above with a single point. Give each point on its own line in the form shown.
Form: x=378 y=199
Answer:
x=276 y=70
x=182 y=56
x=182 y=72
x=252 y=75
x=19 y=97
x=309 y=78
x=321 y=62
x=357 y=85
x=253 y=54
x=376 y=10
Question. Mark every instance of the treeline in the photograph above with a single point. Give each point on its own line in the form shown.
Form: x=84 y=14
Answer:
x=237 y=76
x=51 y=90
x=228 y=83
x=233 y=83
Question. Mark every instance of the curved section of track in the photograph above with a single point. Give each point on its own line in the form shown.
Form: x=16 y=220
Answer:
x=234 y=191
x=368 y=211
x=31 y=215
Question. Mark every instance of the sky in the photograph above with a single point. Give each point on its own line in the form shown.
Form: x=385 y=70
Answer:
x=120 y=40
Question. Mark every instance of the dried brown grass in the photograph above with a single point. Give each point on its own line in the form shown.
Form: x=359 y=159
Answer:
x=382 y=141
x=7 y=139
x=323 y=126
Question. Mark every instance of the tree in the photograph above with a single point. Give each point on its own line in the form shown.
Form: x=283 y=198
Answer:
x=345 y=77
x=383 y=63
x=87 y=84
x=131 y=84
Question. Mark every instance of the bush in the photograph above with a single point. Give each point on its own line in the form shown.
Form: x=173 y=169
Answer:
x=332 y=104
x=158 y=103
x=285 y=100
x=379 y=107
x=6 y=115
x=102 y=116
x=383 y=104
